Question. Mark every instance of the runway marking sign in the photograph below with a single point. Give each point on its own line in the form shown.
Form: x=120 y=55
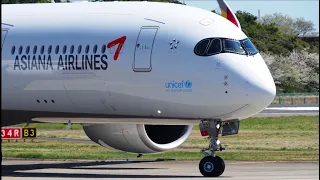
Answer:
x=11 y=133
x=18 y=132
x=29 y=132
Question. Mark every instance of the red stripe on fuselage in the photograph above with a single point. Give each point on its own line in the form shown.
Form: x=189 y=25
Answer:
x=231 y=17
x=120 y=42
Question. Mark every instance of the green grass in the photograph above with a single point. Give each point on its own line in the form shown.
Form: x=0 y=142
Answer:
x=54 y=150
x=302 y=123
x=281 y=138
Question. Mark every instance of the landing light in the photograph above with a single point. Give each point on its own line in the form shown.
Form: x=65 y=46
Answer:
x=218 y=142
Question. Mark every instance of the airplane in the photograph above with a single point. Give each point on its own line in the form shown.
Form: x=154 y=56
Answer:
x=136 y=75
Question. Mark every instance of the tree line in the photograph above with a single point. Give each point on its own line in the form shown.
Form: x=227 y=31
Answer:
x=283 y=42
x=277 y=34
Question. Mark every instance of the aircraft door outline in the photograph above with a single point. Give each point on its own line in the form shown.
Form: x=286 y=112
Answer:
x=143 y=49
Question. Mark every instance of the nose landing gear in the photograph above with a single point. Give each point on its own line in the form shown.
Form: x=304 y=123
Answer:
x=211 y=165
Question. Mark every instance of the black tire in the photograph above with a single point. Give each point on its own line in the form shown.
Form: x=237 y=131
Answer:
x=210 y=166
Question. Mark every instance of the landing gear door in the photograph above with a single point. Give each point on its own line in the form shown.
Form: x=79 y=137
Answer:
x=143 y=49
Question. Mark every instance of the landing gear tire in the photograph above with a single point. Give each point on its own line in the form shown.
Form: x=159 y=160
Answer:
x=211 y=166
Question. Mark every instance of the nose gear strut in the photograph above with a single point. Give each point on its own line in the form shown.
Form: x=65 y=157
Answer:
x=211 y=165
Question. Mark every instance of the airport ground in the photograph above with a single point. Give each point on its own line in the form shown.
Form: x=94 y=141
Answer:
x=125 y=170
x=260 y=140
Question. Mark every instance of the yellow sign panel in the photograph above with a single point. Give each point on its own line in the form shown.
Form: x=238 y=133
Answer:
x=29 y=132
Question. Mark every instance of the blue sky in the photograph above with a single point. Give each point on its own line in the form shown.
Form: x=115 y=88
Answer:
x=308 y=9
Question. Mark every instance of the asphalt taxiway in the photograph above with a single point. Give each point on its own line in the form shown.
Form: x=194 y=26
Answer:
x=240 y=170
x=278 y=110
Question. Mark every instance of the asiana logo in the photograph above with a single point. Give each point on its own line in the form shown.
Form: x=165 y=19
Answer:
x=178 y=86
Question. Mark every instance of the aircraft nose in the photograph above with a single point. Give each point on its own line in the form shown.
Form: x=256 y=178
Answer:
x=261 y=93
x=261 y=88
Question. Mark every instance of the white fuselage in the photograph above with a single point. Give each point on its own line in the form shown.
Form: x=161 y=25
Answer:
x=158 y=49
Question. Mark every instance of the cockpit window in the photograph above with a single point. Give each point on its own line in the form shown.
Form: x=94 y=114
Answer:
x=249 y=46
x=201 y=47
x=215 y=47
x=212 y=46
x=234 y=46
